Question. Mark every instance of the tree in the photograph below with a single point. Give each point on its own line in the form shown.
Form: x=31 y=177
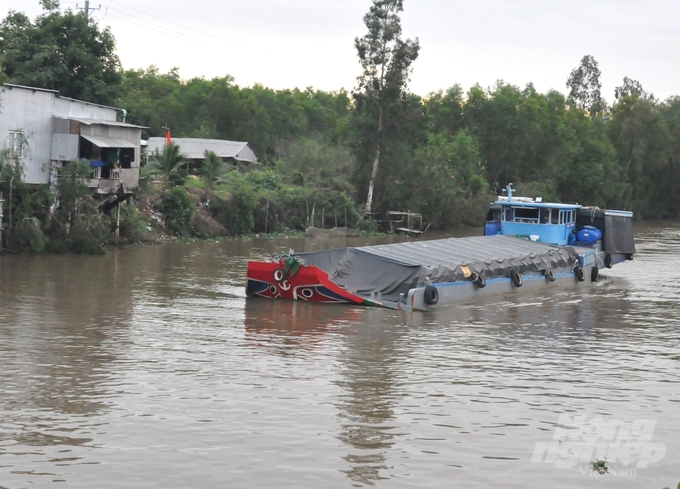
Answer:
x=639 y=132
x=445 y=110
x=213 y=169
x=165 y=163
x=585 y=87
x=62 y=51
x=631 y=88
x=521 y=133
x=386 y=62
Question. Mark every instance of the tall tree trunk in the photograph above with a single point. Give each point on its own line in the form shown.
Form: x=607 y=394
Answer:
x=376 y=162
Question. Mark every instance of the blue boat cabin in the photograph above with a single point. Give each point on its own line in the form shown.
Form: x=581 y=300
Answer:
x=533 y=219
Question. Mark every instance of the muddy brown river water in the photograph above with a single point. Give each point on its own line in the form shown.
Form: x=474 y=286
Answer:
x=148 y=368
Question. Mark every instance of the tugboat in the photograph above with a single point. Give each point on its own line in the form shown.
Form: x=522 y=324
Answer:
x=528 y=244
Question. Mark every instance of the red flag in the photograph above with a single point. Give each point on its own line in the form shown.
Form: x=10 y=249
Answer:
x=167 y=136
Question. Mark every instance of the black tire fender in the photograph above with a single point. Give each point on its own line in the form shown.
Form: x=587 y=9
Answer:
x=629 y=256
x=431 y=295
x=480 y=282
x=608 y=260
x=549 y=274
x=593 y=274
x=578 y=272
x=516 y=278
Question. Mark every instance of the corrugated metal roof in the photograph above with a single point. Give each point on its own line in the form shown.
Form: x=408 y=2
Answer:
x=36 y=89
x=194 y=148
x=105 y=142
x=101 y=122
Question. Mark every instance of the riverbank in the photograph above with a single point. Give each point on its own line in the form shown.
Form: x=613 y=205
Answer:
x=177 y=206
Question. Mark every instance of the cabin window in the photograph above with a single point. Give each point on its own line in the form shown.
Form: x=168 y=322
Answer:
x=544 y=216
x=555 y=216
x=526 y=214
x=508 y=214
x=15 y=144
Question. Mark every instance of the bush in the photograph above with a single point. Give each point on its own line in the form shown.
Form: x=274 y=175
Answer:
x=133 y=226
x=205 y=227
x=85 y=234
x=178 y=210
x=28 y=235
x=89 y=233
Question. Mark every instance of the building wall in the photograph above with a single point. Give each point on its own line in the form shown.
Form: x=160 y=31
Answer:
x=33 y=112
x=247 y=154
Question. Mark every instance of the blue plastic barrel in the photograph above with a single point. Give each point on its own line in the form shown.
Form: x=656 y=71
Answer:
x=492 y=228
x=589 y=235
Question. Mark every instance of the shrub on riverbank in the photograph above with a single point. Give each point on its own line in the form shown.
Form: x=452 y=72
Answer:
x=178 y=210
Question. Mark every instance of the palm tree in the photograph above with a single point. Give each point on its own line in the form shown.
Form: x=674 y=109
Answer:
x=166 y=162
x=212 y=170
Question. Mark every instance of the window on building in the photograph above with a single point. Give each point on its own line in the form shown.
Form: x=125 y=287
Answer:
x=126 y=157
x=15 y=144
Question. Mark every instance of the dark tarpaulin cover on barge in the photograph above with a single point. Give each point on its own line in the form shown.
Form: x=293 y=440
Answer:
x=393 y=269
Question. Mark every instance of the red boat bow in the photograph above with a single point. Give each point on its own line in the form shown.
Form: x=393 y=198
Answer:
x=289 y=279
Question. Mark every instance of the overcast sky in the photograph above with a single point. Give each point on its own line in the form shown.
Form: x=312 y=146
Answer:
x=301 y=43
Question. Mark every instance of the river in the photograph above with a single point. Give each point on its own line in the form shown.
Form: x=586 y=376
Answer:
x=148 y=368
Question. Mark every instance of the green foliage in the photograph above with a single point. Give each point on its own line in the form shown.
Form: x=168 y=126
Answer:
x=445 y=182
x=237 y=213
x=217 y=108
x=62 y=51
x=89 y=233
x=585 y=87
x=166 y=163
x=134 y=227
x=24 y=207
x=445 y=110
x=631 y=88
x=76 y=225
x=178 y=210
x=27 y=236
x=386 y=62
x=193 y=182
x=212 y=170
x=265 y=179
x=205 y=227
x=73 y=193
x=316 y=162
x=645 y=136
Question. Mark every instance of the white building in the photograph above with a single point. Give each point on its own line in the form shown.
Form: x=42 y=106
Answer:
x=58 y=129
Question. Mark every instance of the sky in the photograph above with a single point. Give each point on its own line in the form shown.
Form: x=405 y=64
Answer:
x=310 y=43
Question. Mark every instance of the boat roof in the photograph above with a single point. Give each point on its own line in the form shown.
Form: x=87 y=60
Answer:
x=522 y=202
